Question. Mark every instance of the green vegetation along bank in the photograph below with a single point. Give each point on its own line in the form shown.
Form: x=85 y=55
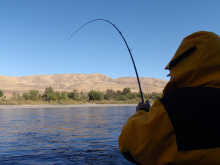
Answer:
x=50 y=96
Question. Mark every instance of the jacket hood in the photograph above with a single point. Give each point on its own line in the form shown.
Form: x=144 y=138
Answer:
x=196 y=62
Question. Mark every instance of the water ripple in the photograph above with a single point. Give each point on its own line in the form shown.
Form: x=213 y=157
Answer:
x=71 y=135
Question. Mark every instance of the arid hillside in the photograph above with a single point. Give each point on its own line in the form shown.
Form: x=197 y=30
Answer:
x=81 y=82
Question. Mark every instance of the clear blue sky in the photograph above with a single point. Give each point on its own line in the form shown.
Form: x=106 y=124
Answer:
x=34 y=33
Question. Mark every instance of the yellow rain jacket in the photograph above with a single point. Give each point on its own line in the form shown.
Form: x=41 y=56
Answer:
x=183 y=127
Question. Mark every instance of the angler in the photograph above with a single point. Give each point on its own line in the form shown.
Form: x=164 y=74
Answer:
x=183 y=127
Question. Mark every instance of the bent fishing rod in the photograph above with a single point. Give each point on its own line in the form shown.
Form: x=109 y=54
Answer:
x=129 y=50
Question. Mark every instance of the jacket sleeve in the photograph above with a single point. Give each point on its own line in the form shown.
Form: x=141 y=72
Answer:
x=145 y=136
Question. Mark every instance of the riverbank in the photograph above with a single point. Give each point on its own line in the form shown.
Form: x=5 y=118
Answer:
x=63 y=106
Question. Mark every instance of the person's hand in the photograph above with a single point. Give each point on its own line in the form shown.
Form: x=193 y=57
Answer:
x=143 y=106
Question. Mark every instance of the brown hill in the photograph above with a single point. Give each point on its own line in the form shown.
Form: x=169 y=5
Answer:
x=81 y=82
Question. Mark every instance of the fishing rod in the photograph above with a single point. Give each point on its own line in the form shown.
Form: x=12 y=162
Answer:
x=129 y=50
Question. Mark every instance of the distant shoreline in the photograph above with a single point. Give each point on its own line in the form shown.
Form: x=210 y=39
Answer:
x=62 y=106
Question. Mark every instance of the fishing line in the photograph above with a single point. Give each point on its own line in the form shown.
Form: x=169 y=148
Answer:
x=129 y=50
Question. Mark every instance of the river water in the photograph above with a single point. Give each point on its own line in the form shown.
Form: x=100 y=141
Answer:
x=71 y=135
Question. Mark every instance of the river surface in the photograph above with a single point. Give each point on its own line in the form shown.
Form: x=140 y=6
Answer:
x=70 y=135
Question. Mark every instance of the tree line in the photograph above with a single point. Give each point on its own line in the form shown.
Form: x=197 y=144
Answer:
x=93 y=95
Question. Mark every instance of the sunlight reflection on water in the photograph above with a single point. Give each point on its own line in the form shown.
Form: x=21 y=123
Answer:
x=78 y=135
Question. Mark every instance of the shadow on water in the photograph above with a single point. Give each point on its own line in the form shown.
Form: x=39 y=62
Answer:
x=62 y=136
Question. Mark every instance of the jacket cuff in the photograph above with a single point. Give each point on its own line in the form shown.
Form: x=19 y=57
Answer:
x=145 y=109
